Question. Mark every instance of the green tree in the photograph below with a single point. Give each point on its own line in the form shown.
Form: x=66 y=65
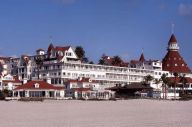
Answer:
x=91 y=62
x=165 y=81
x=85 y=60
x=175 y=82
x=101 y=62
x=148 y=79
x=39 y=62
x=116 y=61
x=80 y=52
x=157 y=81
x=184 y=81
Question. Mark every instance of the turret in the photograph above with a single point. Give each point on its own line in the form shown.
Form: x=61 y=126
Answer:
x=172 y=44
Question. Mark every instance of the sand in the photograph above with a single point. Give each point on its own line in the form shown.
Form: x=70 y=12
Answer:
x=73 y=113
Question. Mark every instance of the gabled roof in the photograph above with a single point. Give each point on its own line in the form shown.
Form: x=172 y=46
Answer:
x=42 y=86
x=172 y=39
x=58 y=48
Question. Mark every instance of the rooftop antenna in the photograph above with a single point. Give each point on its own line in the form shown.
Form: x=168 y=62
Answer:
x=172 y=28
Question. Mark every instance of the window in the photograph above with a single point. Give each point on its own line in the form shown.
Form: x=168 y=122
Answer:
x=175 y=64
x=36 y=85
x=46 y=67
x=68 y=54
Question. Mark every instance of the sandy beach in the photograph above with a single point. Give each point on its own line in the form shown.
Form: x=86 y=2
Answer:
x=73 y=113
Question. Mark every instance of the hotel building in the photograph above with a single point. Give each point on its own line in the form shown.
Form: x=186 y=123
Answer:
x=60 y=64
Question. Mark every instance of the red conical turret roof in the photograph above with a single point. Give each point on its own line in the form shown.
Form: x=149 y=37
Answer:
x=173 y=61
x=172 y=39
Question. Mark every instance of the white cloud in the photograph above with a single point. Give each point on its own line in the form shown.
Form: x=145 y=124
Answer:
x=185 y=9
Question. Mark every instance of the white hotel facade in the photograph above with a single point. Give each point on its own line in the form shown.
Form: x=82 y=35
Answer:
x=61 y=64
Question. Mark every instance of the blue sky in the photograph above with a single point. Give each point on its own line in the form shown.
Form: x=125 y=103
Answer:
x=113 y=27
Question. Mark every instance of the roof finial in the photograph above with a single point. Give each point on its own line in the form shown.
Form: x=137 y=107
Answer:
x=172 y=28
x=51 y=38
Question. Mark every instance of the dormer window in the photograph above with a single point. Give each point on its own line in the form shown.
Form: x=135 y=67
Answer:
x=68 y=54
x=36 y=85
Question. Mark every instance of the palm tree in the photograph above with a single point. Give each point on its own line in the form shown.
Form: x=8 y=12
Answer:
x=175 y=82
x=148 y=79
x=184 y=81
x=39 y=62
x=165 y=81
x=157 y=81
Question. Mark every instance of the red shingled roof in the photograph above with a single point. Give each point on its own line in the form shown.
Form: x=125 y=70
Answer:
x=172 y=39
x=58 y=48
x=12 y=81
x=173 y=61
x=42 y=86
x=178 y=79
x=4 y=58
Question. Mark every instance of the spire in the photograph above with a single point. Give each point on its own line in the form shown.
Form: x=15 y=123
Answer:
x=50 y=47
x=142 y=58
x=172 y=44
x=172 y=39
x=172 y=28
x=173 y=61
x=51 y=38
